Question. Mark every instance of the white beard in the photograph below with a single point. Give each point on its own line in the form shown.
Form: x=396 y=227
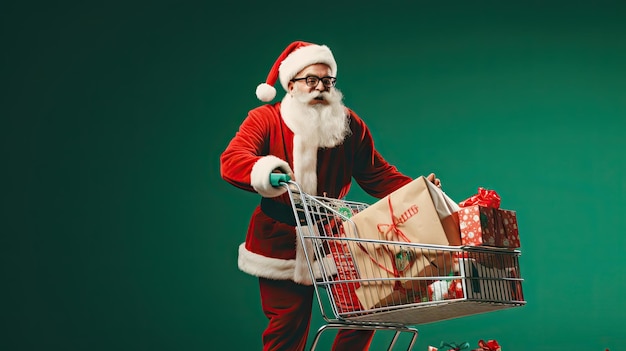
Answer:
x=314 y=126
x=320 y=125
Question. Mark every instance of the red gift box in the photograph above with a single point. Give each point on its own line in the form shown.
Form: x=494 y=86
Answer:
x=490 y=345
x=482 y=222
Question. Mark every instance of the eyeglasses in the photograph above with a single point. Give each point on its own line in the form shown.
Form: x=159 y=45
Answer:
x=311 y=81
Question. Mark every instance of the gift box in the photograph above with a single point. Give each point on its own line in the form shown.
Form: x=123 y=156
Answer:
x=388 y=288
x=418 y=212
x=385 y=287
x=486 y=283
x=438 y=290
x=483 y=223
x=380 y=271
x=489 y=345
x=344 y=293
x=397 y=267
x=445 y=290
x=455 y=290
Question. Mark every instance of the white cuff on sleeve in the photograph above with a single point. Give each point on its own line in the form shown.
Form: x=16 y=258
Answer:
x=260 y=175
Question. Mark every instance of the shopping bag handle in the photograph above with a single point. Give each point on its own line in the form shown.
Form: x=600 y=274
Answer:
x=278 y=179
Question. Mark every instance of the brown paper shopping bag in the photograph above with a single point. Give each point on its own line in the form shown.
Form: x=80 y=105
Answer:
x=448 y=212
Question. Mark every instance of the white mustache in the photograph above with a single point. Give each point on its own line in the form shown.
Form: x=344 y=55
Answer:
x=326 y=95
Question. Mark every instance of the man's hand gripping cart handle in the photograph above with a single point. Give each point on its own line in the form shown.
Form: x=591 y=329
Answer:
x=282 y=179
x=279 y=179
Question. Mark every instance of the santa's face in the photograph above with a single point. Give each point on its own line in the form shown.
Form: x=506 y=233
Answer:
x=315 y=113
x=300 y=85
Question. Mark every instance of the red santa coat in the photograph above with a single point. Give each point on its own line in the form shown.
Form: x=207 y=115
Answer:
x=264 y=143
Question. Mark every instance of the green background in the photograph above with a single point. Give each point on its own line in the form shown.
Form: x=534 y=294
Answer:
x=119 y=234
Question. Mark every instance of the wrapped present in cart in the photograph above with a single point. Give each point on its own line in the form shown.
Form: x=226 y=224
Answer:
x=398 y=280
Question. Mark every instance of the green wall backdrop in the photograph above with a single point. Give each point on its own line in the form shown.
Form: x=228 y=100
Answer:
x=119 y=234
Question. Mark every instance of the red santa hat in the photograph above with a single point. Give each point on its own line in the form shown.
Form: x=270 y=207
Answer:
x=292 y=60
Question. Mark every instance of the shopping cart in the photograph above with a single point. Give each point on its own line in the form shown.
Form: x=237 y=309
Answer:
x=390 y=285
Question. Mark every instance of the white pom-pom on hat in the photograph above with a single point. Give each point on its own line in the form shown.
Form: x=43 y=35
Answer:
x=265 y=92
x=292 y=60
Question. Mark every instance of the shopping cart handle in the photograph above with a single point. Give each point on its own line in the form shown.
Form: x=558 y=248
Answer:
x=278 y=179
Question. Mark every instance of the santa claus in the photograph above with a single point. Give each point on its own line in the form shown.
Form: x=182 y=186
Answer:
x=321 y=144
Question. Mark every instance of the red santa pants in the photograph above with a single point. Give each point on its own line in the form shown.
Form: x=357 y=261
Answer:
x=288 y=307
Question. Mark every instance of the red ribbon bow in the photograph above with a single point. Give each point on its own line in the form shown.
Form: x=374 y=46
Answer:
x=485 y=198
x=387 y=229
x=490 y=345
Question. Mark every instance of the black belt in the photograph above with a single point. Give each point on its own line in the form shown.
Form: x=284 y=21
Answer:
x=278 y=211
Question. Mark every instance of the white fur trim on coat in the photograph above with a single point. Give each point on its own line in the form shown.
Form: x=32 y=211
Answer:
x=301 y=272
x=329 y=267
x=263 y=266
x=260 y=175
x=280 y=269
x=305 y=164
